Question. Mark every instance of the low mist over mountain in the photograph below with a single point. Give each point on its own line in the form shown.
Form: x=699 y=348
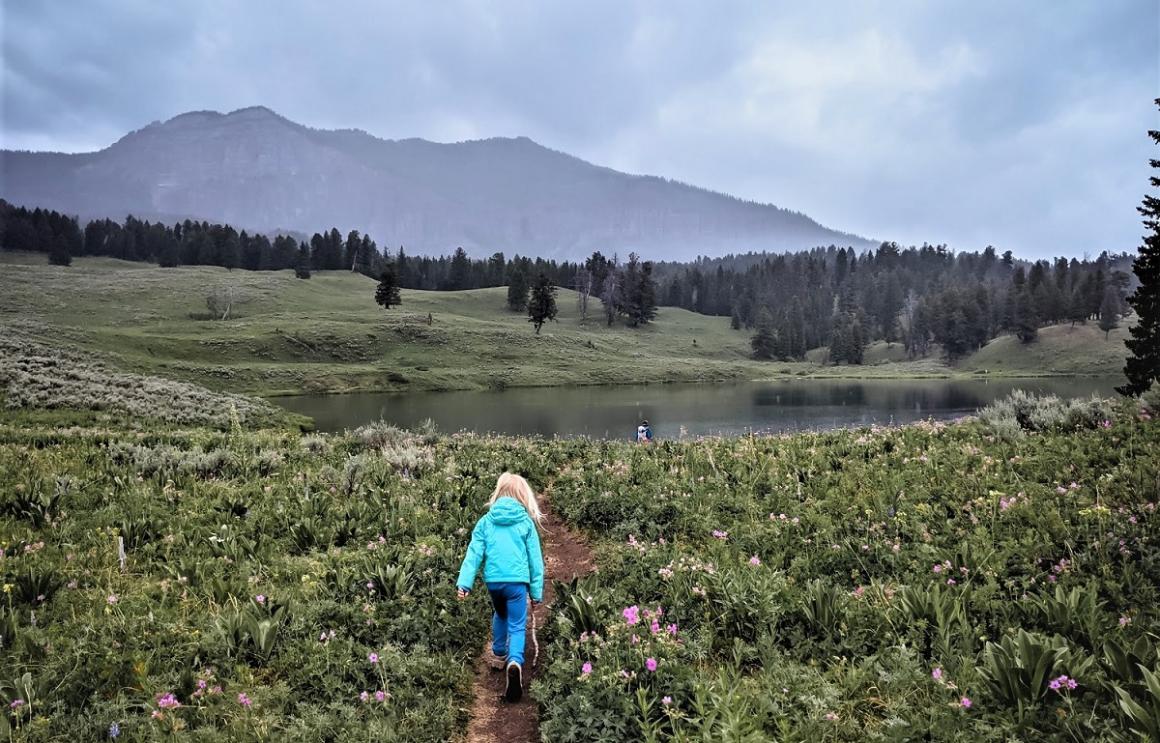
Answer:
x=257 y=170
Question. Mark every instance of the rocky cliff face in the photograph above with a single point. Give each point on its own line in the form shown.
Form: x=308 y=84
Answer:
x=255 y=169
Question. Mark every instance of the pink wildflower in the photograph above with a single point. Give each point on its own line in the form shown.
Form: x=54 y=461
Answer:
x=671 y=629
x=651 y=664
x=364 y=696
x=966 y=702
x=261 y=599
x=380 y=696
x=631 y=615
x=666 y=700
x=936 y=674
x=244 y=700
x=755 y=561
x=586 y=669
x=373 y=658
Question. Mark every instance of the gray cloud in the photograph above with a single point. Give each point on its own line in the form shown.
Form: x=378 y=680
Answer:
x=1014 y=124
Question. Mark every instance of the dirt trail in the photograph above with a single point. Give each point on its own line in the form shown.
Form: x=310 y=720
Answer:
x=566 y=556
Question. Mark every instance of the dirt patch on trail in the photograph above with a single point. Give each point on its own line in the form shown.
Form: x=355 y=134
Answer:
x=566 y=556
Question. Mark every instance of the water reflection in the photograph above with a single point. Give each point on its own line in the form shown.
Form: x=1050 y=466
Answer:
x=613 y=412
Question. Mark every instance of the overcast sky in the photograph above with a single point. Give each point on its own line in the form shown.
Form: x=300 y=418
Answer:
x=1017 y=124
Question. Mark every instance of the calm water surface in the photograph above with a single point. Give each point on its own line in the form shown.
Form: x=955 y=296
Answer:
x=673 y=410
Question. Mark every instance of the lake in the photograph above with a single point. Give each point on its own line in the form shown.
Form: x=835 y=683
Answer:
x=681 y=409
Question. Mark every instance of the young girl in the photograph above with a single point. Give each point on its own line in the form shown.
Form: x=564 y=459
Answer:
x=507 y=541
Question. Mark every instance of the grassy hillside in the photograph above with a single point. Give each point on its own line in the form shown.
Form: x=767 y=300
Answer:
x=1080 y=350
x=326 y=334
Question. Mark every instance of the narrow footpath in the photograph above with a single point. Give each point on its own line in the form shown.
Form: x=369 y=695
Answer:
x=566 y=556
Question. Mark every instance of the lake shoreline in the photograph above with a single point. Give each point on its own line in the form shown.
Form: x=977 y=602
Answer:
x=682 y=410
x=787 y=377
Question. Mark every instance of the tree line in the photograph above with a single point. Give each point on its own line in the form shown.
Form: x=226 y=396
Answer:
x=627 y=290
x=827 y=297
x=918 y=296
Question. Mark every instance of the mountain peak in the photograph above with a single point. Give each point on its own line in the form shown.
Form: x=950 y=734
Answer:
x=258 y=170
x=256 y=113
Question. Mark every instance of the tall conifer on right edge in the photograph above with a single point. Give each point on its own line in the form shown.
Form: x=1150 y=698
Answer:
x=1143 y=366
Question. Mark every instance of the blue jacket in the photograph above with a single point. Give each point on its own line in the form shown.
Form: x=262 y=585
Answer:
x=507 y=543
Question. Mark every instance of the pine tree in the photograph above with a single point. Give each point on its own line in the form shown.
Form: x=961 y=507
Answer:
x=231 y=251
x=460 y=271
x=350 y=250
x=387 y=292
x=367 y=258
x=1143 y=366
x=1026 y=321
x=170 y=253
x=302 y=261
x=839 y=340
x=517 y=296
x=646 y=295
x=58 y=254
x=333 y=254
x=764 y=340
x=1109 y=309
x=542 y=305
x=857 y=345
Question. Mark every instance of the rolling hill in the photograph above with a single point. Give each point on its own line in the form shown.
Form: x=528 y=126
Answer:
x=288 y=336
x=257 y=170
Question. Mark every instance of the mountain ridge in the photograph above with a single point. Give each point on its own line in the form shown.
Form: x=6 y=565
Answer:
x=259 y=170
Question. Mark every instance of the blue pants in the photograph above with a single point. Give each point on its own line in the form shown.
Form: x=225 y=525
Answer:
x=510 y=620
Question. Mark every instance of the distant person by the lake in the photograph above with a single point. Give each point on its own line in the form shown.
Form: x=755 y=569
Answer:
x=507 y=542
x=644 y=434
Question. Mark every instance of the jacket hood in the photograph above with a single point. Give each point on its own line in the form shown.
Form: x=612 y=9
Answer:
x=507 y=511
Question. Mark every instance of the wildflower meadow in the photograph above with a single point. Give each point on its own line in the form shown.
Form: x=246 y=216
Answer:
x=984 y=580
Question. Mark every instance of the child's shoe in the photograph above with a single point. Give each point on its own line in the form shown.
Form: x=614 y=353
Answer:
x=515 y=683
x=494 y=662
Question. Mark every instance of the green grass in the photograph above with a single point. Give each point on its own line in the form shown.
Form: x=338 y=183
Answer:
x=327 y=335
x=1061 y=350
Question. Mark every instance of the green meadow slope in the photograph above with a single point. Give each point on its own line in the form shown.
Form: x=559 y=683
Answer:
x=290 y=336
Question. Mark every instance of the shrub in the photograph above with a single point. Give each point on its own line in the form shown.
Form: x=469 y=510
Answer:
x=35 y=375
x=1023 y=412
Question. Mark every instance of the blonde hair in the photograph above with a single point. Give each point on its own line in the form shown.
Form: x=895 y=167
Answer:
x=512 y=485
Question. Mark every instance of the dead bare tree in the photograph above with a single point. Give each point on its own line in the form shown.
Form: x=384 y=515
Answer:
x=583 y=291
x=221 y=301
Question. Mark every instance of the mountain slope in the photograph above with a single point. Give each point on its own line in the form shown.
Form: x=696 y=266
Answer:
x=258 y=170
